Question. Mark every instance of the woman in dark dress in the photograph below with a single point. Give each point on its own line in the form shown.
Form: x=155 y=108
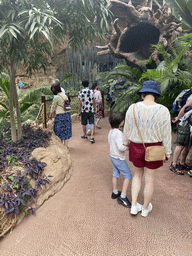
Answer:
x=62 y=123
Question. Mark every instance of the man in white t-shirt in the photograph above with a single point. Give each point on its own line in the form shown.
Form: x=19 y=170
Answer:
x=87 y=109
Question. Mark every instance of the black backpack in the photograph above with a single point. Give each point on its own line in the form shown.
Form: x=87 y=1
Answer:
x=185 y=97
x=189 y=119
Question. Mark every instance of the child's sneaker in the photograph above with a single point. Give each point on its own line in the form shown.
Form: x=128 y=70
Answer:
x=144 y=213
x=124 y=201
x=190 y=173
x=114 y=196
x=135 y=209
x=84 y=137
x=92 y=140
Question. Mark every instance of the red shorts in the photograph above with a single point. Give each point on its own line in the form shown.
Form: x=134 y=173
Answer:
x=137 y=155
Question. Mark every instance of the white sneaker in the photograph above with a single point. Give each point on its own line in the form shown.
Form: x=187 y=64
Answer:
x=135 y=209
x=144 y=213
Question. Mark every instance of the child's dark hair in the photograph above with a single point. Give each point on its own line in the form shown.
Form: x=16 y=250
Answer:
x=115 y=119
x=94 y=85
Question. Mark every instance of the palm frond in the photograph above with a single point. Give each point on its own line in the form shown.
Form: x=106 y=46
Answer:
x=183 y=9
x=5 y=106
x=4 y=113
x=69 y=76
x=5 y=85
x=32 y=97
x=129 y=97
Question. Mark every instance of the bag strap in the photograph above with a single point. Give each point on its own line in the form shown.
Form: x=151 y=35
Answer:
x=137 y=125
x=62 y=99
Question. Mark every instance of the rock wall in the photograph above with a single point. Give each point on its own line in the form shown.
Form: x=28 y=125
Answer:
x=39 y=78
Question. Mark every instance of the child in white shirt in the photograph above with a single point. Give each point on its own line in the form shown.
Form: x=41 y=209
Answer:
x=117 y=156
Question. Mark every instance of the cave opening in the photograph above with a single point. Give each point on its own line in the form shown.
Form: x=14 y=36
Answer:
x=139 y=37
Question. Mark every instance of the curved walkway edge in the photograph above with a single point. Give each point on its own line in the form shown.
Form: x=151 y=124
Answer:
x=83 y=220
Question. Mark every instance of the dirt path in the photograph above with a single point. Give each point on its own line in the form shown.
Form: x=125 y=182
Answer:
x=83 y=220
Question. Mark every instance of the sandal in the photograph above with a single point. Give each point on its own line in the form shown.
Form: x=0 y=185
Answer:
x=184 y=167
x=175 y=169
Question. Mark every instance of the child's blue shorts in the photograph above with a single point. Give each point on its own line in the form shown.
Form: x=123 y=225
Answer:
x=120 y=166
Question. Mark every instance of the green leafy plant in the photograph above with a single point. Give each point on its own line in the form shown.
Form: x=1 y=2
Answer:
x=11 y=159
x=29 y=102
x=182 y=9
x=27 y=29
x=123 y=95
x=174 y=72
x=173 y=75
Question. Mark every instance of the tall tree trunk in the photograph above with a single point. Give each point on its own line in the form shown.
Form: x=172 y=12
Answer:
x=11 y=93
x=19 y=127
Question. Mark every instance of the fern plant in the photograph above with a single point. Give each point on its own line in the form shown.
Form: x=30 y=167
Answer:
x=30 y=102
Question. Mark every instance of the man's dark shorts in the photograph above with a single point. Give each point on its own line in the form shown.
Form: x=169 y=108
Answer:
x=183 y=135
x=87 y=116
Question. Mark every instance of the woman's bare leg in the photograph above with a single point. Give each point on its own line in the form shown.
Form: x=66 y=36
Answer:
x=149 y=186
x=136 y=184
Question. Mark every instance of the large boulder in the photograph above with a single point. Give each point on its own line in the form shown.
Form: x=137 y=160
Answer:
x=58 y=165
x=58 y=161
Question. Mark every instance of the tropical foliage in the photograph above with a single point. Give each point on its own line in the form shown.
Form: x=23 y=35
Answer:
x=29 y=102
x=124 y=92
x=24 y=36
x=173 y=75
x=27 y=29
x=4 y=94
x=82 y=20
x=174 y=72
x=182 y=9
